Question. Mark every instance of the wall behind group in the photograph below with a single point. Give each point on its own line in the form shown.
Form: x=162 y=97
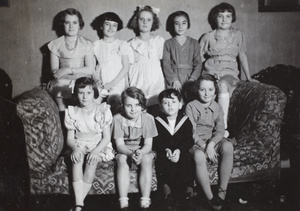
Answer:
x=26 y=28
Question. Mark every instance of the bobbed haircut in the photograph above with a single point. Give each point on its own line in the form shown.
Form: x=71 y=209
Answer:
x=134 y=93
x=207 y=77
x=223 y=7
x=169 y=93
x=170 y=21
x=71 y=11
x=82 y=82
x=133 y=22
x=108 y=16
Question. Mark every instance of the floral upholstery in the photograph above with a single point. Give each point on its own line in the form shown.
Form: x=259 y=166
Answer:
x=255 y=115
x=50 y=169
x=254 y=121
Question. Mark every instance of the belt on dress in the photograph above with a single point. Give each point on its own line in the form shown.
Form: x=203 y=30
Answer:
x=224 y=60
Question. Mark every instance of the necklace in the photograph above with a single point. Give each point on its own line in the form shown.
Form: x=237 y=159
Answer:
x=71 y=45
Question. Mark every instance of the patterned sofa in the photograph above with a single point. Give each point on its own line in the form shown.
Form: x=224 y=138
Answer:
x=255 y=116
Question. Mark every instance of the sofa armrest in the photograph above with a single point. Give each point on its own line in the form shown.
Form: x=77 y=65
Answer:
x=42 y=127
x=254 y=120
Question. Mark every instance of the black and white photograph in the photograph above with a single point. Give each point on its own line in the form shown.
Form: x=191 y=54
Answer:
x=138 y=105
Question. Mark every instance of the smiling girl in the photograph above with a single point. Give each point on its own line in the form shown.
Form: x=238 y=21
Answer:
x=133 y=131
x=113 y=57
x=71 y=58
x=206 y=116
x=221 y=50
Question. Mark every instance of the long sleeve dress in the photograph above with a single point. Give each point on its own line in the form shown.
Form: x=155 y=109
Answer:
x=181 y=62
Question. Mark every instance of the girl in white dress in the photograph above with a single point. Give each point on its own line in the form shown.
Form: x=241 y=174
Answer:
x=113 y=58
x=146 y=72
x=88 y=136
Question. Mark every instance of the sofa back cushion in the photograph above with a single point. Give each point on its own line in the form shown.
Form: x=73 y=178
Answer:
x=42 y=127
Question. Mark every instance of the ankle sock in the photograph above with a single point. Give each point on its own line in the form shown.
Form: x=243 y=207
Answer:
x=145 y=202
x=78 y=191
x=123 y=202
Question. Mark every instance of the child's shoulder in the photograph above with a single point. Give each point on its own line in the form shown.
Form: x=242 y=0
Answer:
x=147 y=116
x=193 y=103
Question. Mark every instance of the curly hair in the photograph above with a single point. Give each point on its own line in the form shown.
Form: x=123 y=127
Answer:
x=71 y=11
x=170 y=21
x=133 y=22
x=134 y=93
x=223 y=7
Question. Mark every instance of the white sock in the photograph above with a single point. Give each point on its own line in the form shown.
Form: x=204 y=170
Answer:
x=224 y=100
x=86 y=189
x=78 y=191
x=123 y=202
x=145 y=202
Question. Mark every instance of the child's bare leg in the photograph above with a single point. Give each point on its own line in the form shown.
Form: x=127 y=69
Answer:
x=226 y=163
x=123 y=179
x=223 y=100
x=202 y=173
x=60 y=103
x=146 y=179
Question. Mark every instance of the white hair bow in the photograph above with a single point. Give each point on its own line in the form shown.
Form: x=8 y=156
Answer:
x=154 y=9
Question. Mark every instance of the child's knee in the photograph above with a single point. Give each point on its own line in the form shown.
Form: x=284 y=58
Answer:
x=223 y=87
x=121 y=160
x=227 y=147
x=147 y=159
x=200 y=157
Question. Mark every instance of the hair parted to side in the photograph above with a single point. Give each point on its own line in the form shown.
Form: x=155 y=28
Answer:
x=82 y=83
x=169 y=93
x=207 y=77
x=133 y=22
x=134 y=93
x=223 y=7
x=72 y=11
x=170 y=21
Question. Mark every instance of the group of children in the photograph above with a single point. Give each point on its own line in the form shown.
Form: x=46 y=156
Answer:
x=129 y=77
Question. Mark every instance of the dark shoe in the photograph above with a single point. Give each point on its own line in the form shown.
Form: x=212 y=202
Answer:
x=145 y=209
x=216 y=203
x=170 y=204
x=124 y=209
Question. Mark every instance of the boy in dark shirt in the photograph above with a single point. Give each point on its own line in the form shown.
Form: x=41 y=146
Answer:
x=174 y=163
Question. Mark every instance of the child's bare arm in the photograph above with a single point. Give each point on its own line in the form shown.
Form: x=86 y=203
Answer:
x=105 y=140
x=147 y=146
x=122 y=148
x=122 y=73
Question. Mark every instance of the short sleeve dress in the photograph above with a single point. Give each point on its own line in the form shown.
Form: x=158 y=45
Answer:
x=220 y=54
x=146 y=72
x=134 y=133
x=74 y=58
x=89 y=128
x=109 y=58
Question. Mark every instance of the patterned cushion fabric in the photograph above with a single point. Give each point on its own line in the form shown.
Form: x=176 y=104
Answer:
x=42 y=127
x=255 y=116
x=104 y=182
